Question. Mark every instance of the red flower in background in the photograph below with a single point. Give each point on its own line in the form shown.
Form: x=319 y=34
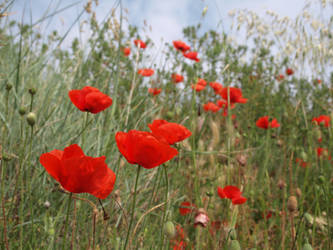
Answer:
x=301 y=163
x=235 y=95
x=89 y=99
x=233 y=193
x=323 y=152
x=216 y=86
x=143 y=148
x=193 y=55
x=78 y=173
x=140 y=44
x=323 y=119
x=200 y=85
x=127 y=51
x=280 y=77
x=154 y=91
x=146 y=72
x=318 y=81
x=178 y=241
x=180 y=45
x=264 y=123
x=289 y=71
x=176 y=78
x=211 y=107
x=169 y=132
x=186 y=208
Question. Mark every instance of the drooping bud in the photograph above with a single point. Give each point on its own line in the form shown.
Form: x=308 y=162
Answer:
x=298 y=192
x=234 y=245
x=281 y=184
x=9 y=86
x=32 y=91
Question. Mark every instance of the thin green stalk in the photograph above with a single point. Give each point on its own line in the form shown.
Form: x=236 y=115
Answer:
x=133 y=205
x=66 y=222
x=166 y=204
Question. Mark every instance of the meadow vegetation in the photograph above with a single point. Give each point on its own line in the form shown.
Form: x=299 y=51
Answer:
x=253 y=168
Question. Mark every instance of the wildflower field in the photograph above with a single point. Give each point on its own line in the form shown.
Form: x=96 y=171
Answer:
x=221 y=143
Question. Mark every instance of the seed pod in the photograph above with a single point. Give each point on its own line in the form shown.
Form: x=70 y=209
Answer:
x=31 y=119
x=292 y=204
x=22 y=111
x=298 y=192
x=32 y=91
x=281 y=184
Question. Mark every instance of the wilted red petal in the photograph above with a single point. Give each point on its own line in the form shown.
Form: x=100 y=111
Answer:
x=238 y=200
x=180 y=45
x=193 y=55
x=211 y=107
x=186 y=208
x=140 y=44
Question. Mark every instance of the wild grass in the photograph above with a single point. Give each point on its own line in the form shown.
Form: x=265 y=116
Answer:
x=36 y=75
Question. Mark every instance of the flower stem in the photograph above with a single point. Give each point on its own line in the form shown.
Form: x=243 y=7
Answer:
x=66 y=222
x=133 y=206
x=166 y=204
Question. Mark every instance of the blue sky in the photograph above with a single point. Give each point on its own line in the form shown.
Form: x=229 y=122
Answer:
x=167 y=18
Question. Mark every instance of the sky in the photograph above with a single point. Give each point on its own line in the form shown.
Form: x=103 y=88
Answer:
x=166 y=18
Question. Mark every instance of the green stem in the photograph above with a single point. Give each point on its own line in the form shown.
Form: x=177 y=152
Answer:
x=166 y=204
x=133 y=206
x=66 y=222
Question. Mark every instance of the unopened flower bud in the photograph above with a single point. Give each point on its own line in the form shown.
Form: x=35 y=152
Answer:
x=31 y=118
x=281 y=184
x=9 y=86
x=304 y=156
x=298 y=192
x=292 y=204
x=234 y=245
x=201 y=218
x=170 y=230
x=32 y=91
x=22 y=111
x=307 y=245
x=47 y=204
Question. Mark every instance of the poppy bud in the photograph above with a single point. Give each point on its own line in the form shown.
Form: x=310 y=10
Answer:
x=292 y=204
x=304 y=156
x=308 y=217
x=201 y=218
x=31 y=119
x=298 y=192
x=234 y=245
x=209 y=194
x=321 y=179
x=169 y=229
x=6 y=157
x=47 y=204
x=9 y=86
x=32 y=91
x=317 y=133
x=307 y=246
x=22 y=111
x=282 y=184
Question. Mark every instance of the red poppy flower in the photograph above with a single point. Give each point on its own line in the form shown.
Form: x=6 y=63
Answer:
x=200 y=85
x=140 y=44
x=180 y=45
x=144 y=149
x=193 y=55
x=216 y=86
x=234 y=93
x=78 y=173
x=169 y=132
x=263 y=122
x=280 y=77
x=154 y=91
x=233 y=193
x=211 y=107
x=176 y=78
x=289 y=71
x=178 y=241
x=89 y=99
x=322 y=119
x=301 y=163
x=318 y=81
x=186 y=208
x=127 y=51
x=323 y=152
x=146 y=72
